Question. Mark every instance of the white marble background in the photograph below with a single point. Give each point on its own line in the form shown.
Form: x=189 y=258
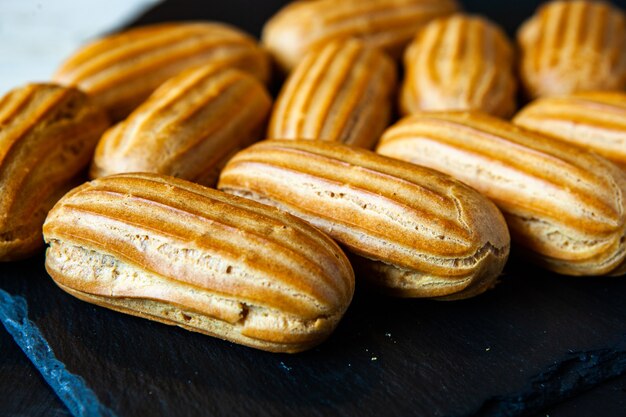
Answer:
x=36 y=36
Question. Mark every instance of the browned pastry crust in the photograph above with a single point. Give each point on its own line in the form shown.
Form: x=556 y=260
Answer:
x=189 y=126
x=179 y=253
x=595 y=121
x=572 y=46
x=565 y=206
x=386 y=24
x=47 y=137
x=419 y=233
x=459 y=63
x=340 y=92
x=120 y=71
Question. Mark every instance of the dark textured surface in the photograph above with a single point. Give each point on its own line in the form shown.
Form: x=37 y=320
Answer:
x=23 y=392
x=608 y=399
x=524 y=346
x=538 y=344
x=70 y=388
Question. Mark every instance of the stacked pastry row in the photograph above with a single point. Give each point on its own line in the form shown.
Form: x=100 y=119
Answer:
x=426 y=215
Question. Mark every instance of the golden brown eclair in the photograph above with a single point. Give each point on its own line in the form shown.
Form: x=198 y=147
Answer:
x=459 y=62
x=189 y=126
x=120 y=71
x=573 y=46
x=595 y=121
x=417 y=232
x=340 y=92
x=564 y=206
x=179 y=253
x=47 y=137
x=386 y=24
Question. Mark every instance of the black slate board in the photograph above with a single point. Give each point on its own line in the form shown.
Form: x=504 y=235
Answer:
x=534 y=341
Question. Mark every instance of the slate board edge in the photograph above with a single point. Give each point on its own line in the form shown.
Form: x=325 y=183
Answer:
x=561 y=381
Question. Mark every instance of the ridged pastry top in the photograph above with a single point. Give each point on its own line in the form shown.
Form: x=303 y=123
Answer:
x=594 y=120
x=188 y=126
x=398 y=213
x=387 y=24
x=202 y=242
x=47 y=136
x=572 y=46
x=340 y=92
x=565 y=204
x=459 y=63
x=121 y=70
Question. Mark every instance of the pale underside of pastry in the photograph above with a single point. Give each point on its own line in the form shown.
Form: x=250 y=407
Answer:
x=425 y=234
x=595 y=121
x=564 y=205
x=179 y=253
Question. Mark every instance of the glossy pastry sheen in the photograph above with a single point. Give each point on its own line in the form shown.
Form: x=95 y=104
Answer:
x=387 y=24
x=595 y=121
x=418 y=233
x=340 y=92
x=47 y=137
x=179 y=253
x=459 y=63
x=188 y=127
x=565 y=206
x=573 y=46
x=121 y=70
